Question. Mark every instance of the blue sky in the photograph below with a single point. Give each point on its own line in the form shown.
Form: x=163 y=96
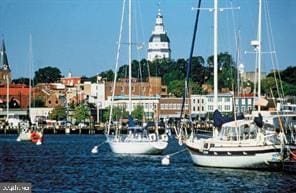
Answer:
x=80 y=35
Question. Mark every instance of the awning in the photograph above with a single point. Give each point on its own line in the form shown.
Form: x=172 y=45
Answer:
x=261 y=102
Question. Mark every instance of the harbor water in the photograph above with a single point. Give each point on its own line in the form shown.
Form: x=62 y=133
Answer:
x=64 y=163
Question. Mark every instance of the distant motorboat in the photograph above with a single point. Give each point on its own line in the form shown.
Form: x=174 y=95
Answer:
x=29 y=134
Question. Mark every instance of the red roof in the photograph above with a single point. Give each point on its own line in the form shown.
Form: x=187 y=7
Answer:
x=14 y=91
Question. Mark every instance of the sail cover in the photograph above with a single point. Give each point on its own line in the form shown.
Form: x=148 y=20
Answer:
x=219 y=120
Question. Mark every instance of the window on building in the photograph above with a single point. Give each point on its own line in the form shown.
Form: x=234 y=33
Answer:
x=227 y=107
x=220 y=107
x=175 y=106
x=178 y=106
x=210 y=99
x=166 y=106
x=193 y=108
x=219 y=99
x=210 y=107
x=193 y=101
x=227 y=99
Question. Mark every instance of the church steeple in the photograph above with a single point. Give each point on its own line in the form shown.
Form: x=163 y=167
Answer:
x=5 y=73
x=3 y=60
x=159 y=42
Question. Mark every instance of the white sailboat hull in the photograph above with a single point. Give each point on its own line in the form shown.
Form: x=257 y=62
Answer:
x=257 y=157
x=24 y=136
x=257 y=161
x=137 y=146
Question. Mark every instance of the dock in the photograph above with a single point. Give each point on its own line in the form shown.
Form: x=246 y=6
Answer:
x=5 y=129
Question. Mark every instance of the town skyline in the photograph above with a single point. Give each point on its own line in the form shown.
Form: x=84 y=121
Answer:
x=81 y=36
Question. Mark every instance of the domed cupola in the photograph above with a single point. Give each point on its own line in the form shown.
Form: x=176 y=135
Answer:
x=159 y=42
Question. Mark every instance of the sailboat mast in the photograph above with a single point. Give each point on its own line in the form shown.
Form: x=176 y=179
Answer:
x=7 y=95
x=130 y=57
x=30 y=72
x=215 y=54
x=259 y=50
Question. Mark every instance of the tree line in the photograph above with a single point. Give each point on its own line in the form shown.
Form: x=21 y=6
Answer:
x=173 y=74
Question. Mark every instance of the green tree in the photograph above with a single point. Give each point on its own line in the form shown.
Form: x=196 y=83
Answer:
x=195 y=88
x=268 y=85
x=289 y=89
x=176 y=88
x=108 y=75
x=288 y=75
x=226 y=71
x=39 y=101
x=81 y=113
x=197 y=72
x=58 y=113
x=117 y=113
x=138 y=112
x=21 y=80
x=47 y=75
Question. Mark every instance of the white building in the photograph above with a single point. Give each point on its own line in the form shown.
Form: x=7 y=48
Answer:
x=245 y=104
x=159 y=42
x=203 y=104
x=149 y=103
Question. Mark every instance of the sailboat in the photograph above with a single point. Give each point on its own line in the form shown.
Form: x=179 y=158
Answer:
x=27 y=132
x=239 y=143
x=138 y=140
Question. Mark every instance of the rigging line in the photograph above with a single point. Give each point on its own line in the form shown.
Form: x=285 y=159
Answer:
x=186 y=92
x=237 y=47
x=270 y=46
x=116 y=65
x=274 y=57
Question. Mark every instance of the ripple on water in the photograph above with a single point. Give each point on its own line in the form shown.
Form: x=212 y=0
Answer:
x=64 y=163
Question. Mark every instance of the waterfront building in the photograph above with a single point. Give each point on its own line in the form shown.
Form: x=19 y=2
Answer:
x=151 y=87
x=18 y=95
x=149 y=104
x=245 y=103
x=170 y=107
x=198 y=106
x=71 y=81
x=203 y=104
x=159 y=42
x=251 y=76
